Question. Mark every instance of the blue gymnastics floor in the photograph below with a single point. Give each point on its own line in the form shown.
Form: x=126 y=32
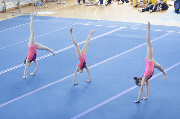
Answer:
x=115 y=55
x=171 y=16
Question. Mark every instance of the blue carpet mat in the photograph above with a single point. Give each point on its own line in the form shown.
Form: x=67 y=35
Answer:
x=115 y=55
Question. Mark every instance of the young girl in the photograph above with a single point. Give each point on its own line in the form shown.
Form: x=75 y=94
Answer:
x=81 y=55
x=150 y=65
x=32 y=45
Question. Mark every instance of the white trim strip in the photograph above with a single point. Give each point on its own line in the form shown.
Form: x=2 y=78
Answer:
x=120 y=94
x=58 y=51
x=22 y=25
x=96 y=14
x=89 y=68
x=43 y=34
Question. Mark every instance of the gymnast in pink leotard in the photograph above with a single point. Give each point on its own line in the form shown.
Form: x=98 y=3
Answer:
x=82 y=62
x=150 y=65
x=32 y=53
x=149 y=69
x=32 y=45
x=81 y=56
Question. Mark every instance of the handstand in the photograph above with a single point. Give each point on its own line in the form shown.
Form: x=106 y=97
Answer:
x=81 y=55
x=32 y=45
x=150 y=65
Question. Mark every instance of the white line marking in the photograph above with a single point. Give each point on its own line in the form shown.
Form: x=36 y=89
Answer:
x=170 y=31
x=120 y=94
x=98 y=25
x=95 y=13
x=111 y=26
x=161 y=16
x=62 y=7
x=58 y=51
x=20 y=25
x=157 y=30
x=41 y=35
x=86 y=24
x=73 y=73
x=137 y=25
x=35 y=90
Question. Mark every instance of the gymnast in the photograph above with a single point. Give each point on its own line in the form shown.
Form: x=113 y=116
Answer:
x=32 y=45
x=81 y=55
x=150 y=65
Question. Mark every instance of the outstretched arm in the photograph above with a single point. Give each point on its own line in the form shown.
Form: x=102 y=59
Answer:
x=26 y=67
x=88 y=74
x=75 y=75
x=36 y=64
x=141 y=90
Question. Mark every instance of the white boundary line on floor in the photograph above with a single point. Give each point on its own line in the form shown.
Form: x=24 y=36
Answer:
x=161 y=16
x=42 y=35
x=58 y=51
x=22 y=25
x=119 y=95
x=96 y=14
x=8 y=102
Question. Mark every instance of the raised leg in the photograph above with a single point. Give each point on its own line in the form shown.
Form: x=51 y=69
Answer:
x=31 y=39
x=87 y=42
x=78 y=51
x=157 y=65
x=41 y=47
x=149 y=46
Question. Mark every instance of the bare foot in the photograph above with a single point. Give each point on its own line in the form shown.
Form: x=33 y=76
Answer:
x=144 y=98
x=24 y=77
x=88 y=81
x=165 y=77
x=138 y=101
x=93 y=31
x=140 y=10
x=150 y=11
x=31 y=74
x=70 y=30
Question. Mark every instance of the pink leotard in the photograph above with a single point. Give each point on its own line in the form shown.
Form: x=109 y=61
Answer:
x=82 y=63
x=149 y=69
x=32 y=53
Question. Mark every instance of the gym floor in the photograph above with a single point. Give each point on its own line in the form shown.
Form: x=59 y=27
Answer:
x=115 y=55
